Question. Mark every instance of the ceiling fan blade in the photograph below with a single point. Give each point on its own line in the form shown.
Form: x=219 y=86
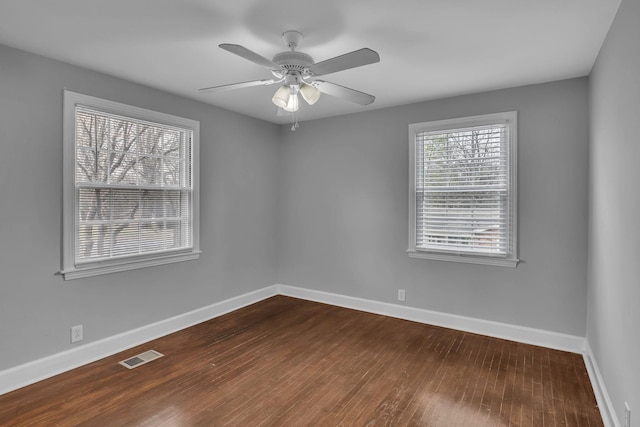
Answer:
x=344 y=92
x=250 y=55
x=236 y=86
x=353 y=59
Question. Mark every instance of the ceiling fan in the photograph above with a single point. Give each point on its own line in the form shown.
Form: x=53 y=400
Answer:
x=297 y=73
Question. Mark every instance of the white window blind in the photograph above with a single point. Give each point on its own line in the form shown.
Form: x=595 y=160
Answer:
x=463 y=188
x=133 y=189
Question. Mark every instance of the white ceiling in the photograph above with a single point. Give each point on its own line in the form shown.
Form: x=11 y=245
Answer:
x=428 y=48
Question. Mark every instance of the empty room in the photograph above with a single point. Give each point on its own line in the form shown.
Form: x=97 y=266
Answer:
x=279 y=213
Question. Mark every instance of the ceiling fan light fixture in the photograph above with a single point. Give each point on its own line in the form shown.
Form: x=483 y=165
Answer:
x=293 y=105
x=281 y=97
x=311 y=94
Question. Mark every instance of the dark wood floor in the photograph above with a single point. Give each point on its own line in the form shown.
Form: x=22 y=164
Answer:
x=289 y=362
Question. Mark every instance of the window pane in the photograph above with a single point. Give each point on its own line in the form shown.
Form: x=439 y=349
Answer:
x=91 y=166
x=125 y=204
x=91 y=130
x=172 y=143
x=150 y=171
x=119 y=135
x=154 y=205
x=122 y=168
x=93 y=241
x=124 y=238
x=151 y=140
x=171 y=172
x=94 y=204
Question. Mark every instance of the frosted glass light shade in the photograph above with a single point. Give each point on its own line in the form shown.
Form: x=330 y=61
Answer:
x=310 y=93
x=281 y=97
x=292 y=105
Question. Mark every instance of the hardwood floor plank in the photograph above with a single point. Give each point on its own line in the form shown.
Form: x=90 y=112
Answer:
x=528 y=393
x=537 y=355
x=289 y=362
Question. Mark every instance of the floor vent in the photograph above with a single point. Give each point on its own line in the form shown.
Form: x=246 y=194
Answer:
x=141 y=359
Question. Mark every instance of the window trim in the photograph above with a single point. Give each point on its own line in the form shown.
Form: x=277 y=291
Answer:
x=509 y=118
x=71 y=270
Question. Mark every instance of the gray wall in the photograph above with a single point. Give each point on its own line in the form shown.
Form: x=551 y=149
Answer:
x=239 y=163
x=614 y=243
x=344 y=207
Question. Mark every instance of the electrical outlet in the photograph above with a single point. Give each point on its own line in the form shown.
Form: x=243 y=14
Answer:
x=76 y=334
x=400 y=294
x=627 y=415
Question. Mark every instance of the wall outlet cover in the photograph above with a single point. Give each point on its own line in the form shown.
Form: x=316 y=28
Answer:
x=76 y=334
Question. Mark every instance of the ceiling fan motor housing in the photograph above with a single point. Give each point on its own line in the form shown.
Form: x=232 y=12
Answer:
x=293 y=62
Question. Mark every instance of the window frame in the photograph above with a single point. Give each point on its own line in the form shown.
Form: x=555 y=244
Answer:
x=71 y=270
x=510 y=119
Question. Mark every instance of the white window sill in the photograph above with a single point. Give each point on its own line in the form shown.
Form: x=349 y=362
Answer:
x=469 y=259
x=124 y=265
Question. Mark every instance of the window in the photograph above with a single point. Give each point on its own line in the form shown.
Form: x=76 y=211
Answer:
x=130 y=187
x=463 y=203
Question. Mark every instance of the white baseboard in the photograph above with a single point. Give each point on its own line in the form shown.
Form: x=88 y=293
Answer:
x=605 y=404
x=521 y=334
x=37 y=370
